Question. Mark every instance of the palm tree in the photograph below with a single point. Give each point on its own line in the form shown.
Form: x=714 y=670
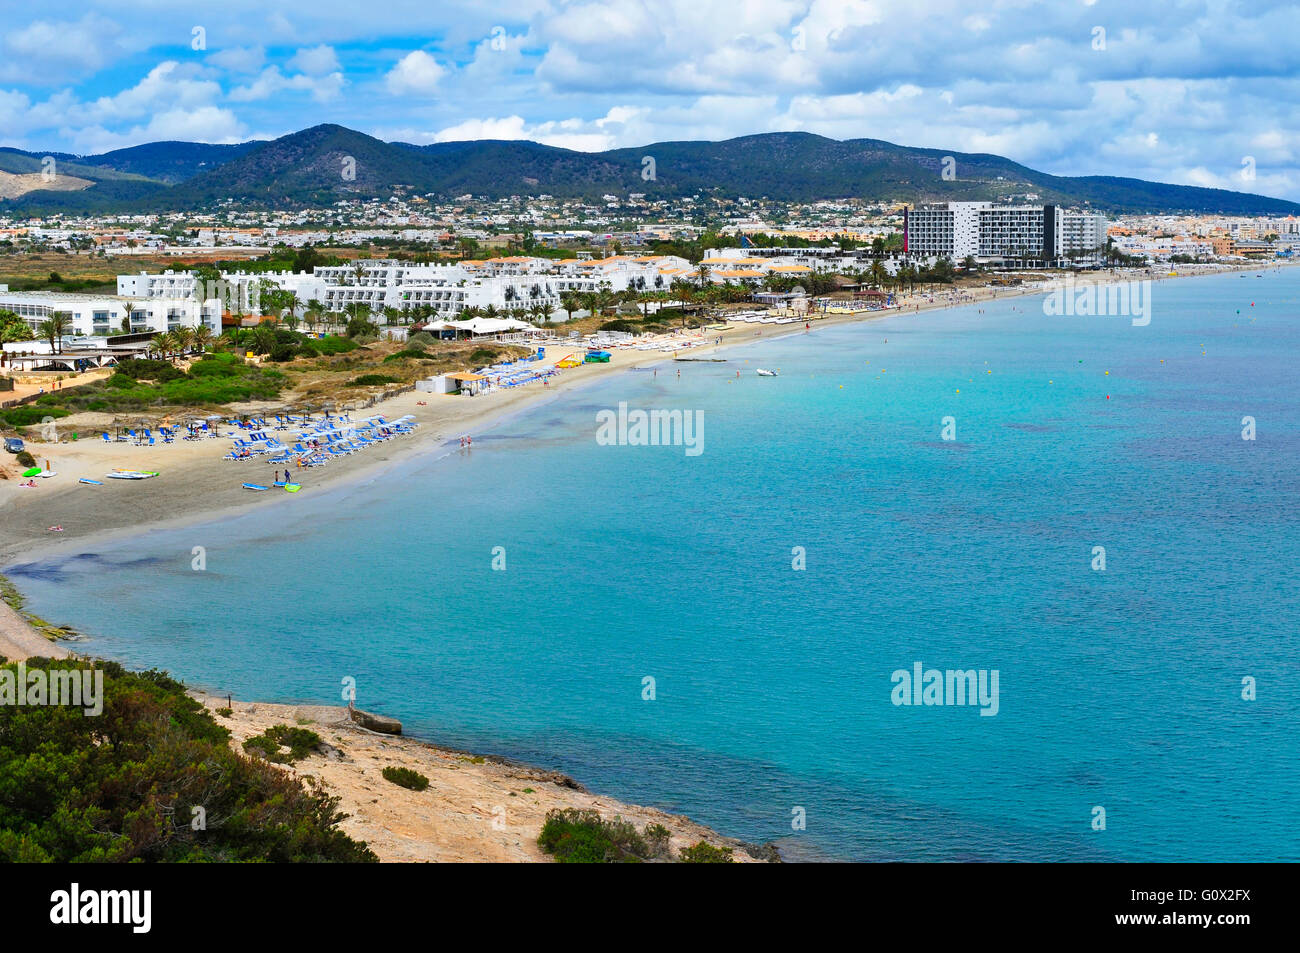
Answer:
x=702 y=274
x=183 y=337
x=163 y=344
x=53 y=329
x=202 y=338
x=128 y=309
x=570 y=302
x=683 y=291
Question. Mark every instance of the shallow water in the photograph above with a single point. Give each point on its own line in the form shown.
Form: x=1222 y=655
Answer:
x=1118 y=689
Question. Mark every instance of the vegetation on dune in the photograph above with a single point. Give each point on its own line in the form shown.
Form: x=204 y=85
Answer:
x=138 y=385
x=150 y=779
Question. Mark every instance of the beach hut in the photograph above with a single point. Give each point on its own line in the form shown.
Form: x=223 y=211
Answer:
x=467 y=383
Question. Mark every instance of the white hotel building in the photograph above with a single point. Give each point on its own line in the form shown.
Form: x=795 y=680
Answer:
x=91 y=315
x=501 y=283
x=986 y=231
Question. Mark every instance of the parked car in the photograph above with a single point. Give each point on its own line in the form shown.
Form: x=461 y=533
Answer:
x=13 y=445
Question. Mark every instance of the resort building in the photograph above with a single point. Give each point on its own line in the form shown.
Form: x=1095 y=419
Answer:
x=982 y=230
x=102 y=315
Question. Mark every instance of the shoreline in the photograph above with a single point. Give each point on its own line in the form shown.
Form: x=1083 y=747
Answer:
x=481 y=413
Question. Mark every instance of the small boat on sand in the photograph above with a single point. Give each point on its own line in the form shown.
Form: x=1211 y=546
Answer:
x=764 y=372
x=255 y=486
x=131 y=474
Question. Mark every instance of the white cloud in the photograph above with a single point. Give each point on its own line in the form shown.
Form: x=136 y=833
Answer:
x=239 y=59
x=207 y=124
x=47 y=50
x=417 y=73
x=271 y=81
x=315 y=61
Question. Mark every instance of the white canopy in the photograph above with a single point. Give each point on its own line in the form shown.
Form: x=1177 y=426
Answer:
x=491 y=325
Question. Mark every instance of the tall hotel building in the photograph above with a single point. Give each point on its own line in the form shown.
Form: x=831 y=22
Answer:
x=985 y=230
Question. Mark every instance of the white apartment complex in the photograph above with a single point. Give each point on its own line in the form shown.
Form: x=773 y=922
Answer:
x=984 y=230
x=100 y=315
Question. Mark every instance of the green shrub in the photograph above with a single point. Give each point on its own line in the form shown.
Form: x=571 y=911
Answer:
x=419 y=341
x=26 y=416
x=333 y=344
x=300 y=742
x=706 y=853
x=145 y=369
x=657 y=837
x=25 y=459
x=373 y=380
x=575 y=836
x=406 y=778
x=620 y=326
x=121 y=787
x=359 y=327
x=408 y=354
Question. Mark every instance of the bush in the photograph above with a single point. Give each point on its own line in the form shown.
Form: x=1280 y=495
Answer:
x=373 y=380
x=358 y=327
x=121 y=787
x=333 y=345
x=25 y=416
x=419 y=341
x=657 y=837
x=620 y=326
x=706 y=853
x=406 y=778
x=268 y=744
x=574 y=836
x=25 y=459
x=136 y=368
x=408 y=354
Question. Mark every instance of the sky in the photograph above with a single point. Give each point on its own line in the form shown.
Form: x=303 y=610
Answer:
x=1196 y=92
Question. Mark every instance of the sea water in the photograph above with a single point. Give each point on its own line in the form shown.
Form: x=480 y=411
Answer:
x=718 y=633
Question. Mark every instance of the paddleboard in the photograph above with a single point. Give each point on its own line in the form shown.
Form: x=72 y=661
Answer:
x=32 y=472
x=255 y=486
x=91 y=482
x=293 y=487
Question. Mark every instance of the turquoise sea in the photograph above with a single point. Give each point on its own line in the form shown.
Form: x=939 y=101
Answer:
x=1119 y=689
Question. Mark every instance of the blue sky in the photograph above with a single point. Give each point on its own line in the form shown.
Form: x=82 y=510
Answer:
x=1199 y=92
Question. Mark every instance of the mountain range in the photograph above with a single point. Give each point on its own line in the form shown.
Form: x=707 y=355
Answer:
x=320 y=166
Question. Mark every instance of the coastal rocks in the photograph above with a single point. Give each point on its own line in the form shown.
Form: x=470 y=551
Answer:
x=548 y=777
x=372 y=722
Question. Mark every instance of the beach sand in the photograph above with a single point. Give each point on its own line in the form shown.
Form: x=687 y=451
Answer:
x=18 y=640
